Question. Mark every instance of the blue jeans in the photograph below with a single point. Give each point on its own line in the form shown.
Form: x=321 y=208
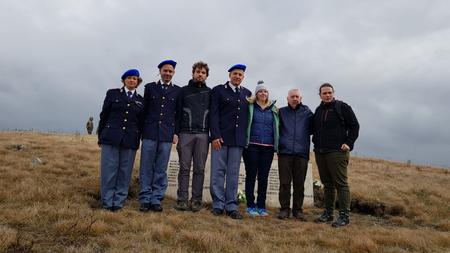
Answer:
x=116 y=166
x=153 y=171
x=225 y=164
x=258 y=160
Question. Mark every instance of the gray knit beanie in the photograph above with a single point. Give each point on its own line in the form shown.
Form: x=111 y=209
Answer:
x=260 y=86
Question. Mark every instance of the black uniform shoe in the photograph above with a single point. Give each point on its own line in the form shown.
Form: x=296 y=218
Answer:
x=217 y=211
x=235 y=215
x=181 y=205
x=283 y=214
x=156 y=208
x=342 y=220
x=326 y=216
x=144 y=207
x=196 y=206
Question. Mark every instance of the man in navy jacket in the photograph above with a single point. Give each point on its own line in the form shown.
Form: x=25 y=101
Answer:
x=160 y=100
x=228 y=126
x=293 y=153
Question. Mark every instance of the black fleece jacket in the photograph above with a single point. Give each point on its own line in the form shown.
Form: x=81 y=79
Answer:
x=330 y=131
x=194 y=108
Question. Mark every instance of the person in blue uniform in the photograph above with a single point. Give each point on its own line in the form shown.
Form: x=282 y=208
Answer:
x=160 y=101
x=228 y=127
x=119 y=134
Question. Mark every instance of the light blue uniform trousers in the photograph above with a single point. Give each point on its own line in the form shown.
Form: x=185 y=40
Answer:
x=153 y=171
x=115 y=174
x=225 y=164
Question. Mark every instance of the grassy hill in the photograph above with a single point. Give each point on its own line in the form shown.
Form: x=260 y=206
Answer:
x=49 y=202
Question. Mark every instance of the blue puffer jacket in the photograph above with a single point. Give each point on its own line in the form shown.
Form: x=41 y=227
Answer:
x=295 y=130
x=262 y=130
x=275 y=124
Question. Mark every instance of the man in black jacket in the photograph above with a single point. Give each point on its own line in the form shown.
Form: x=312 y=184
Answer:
x=193 y=137
x=335 y=132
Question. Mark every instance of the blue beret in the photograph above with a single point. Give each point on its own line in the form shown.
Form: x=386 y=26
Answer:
x=237 y=66
x=130 y=72
x=170 y=62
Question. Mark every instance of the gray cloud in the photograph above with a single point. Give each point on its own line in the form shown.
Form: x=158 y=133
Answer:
x=387 y=59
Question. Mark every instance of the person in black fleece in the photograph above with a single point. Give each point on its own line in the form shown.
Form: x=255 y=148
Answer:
x=193 y=137
x=336 y=129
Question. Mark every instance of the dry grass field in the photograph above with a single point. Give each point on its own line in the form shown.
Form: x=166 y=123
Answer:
x=49 y=202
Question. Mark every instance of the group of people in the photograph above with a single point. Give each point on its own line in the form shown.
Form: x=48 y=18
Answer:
x=238 y=124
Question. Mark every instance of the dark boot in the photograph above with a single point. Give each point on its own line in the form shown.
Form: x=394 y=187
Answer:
x=342 y=220
x=156 y=207
x=299 y=215
x=196 y=206
x=236 y=215
x=284 y=214
x=145 y=207
x=326 y=216
x=181 y=205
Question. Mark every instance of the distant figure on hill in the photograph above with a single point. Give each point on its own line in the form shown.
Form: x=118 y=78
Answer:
x=90 y=125
x=293 y=154
x=119 y=132
x=336 y=129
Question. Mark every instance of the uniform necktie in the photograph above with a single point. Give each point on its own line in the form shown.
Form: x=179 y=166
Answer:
x=130 y=94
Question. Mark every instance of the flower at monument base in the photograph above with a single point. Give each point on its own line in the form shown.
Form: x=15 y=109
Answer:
x=241 y=196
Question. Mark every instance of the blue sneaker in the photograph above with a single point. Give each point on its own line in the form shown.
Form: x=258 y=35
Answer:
x=262 y=212
x=252 y=211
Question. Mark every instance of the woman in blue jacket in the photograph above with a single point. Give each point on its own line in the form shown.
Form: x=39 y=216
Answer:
x=262 y=142
x=119 y=134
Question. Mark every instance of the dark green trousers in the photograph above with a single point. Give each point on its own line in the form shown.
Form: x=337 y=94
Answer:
x=333 y=174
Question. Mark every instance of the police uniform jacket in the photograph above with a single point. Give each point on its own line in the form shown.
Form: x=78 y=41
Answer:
x=160 y=102
x=121 y=119
x=229 y=115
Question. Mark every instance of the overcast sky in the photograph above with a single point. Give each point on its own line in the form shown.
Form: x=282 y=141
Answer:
x=389 y=60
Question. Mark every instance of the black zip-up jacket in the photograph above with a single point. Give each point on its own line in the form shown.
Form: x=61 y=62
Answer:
x=330 y=131
x=194 y=108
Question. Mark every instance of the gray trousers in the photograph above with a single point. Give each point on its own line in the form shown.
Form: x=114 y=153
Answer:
x=192 y=149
